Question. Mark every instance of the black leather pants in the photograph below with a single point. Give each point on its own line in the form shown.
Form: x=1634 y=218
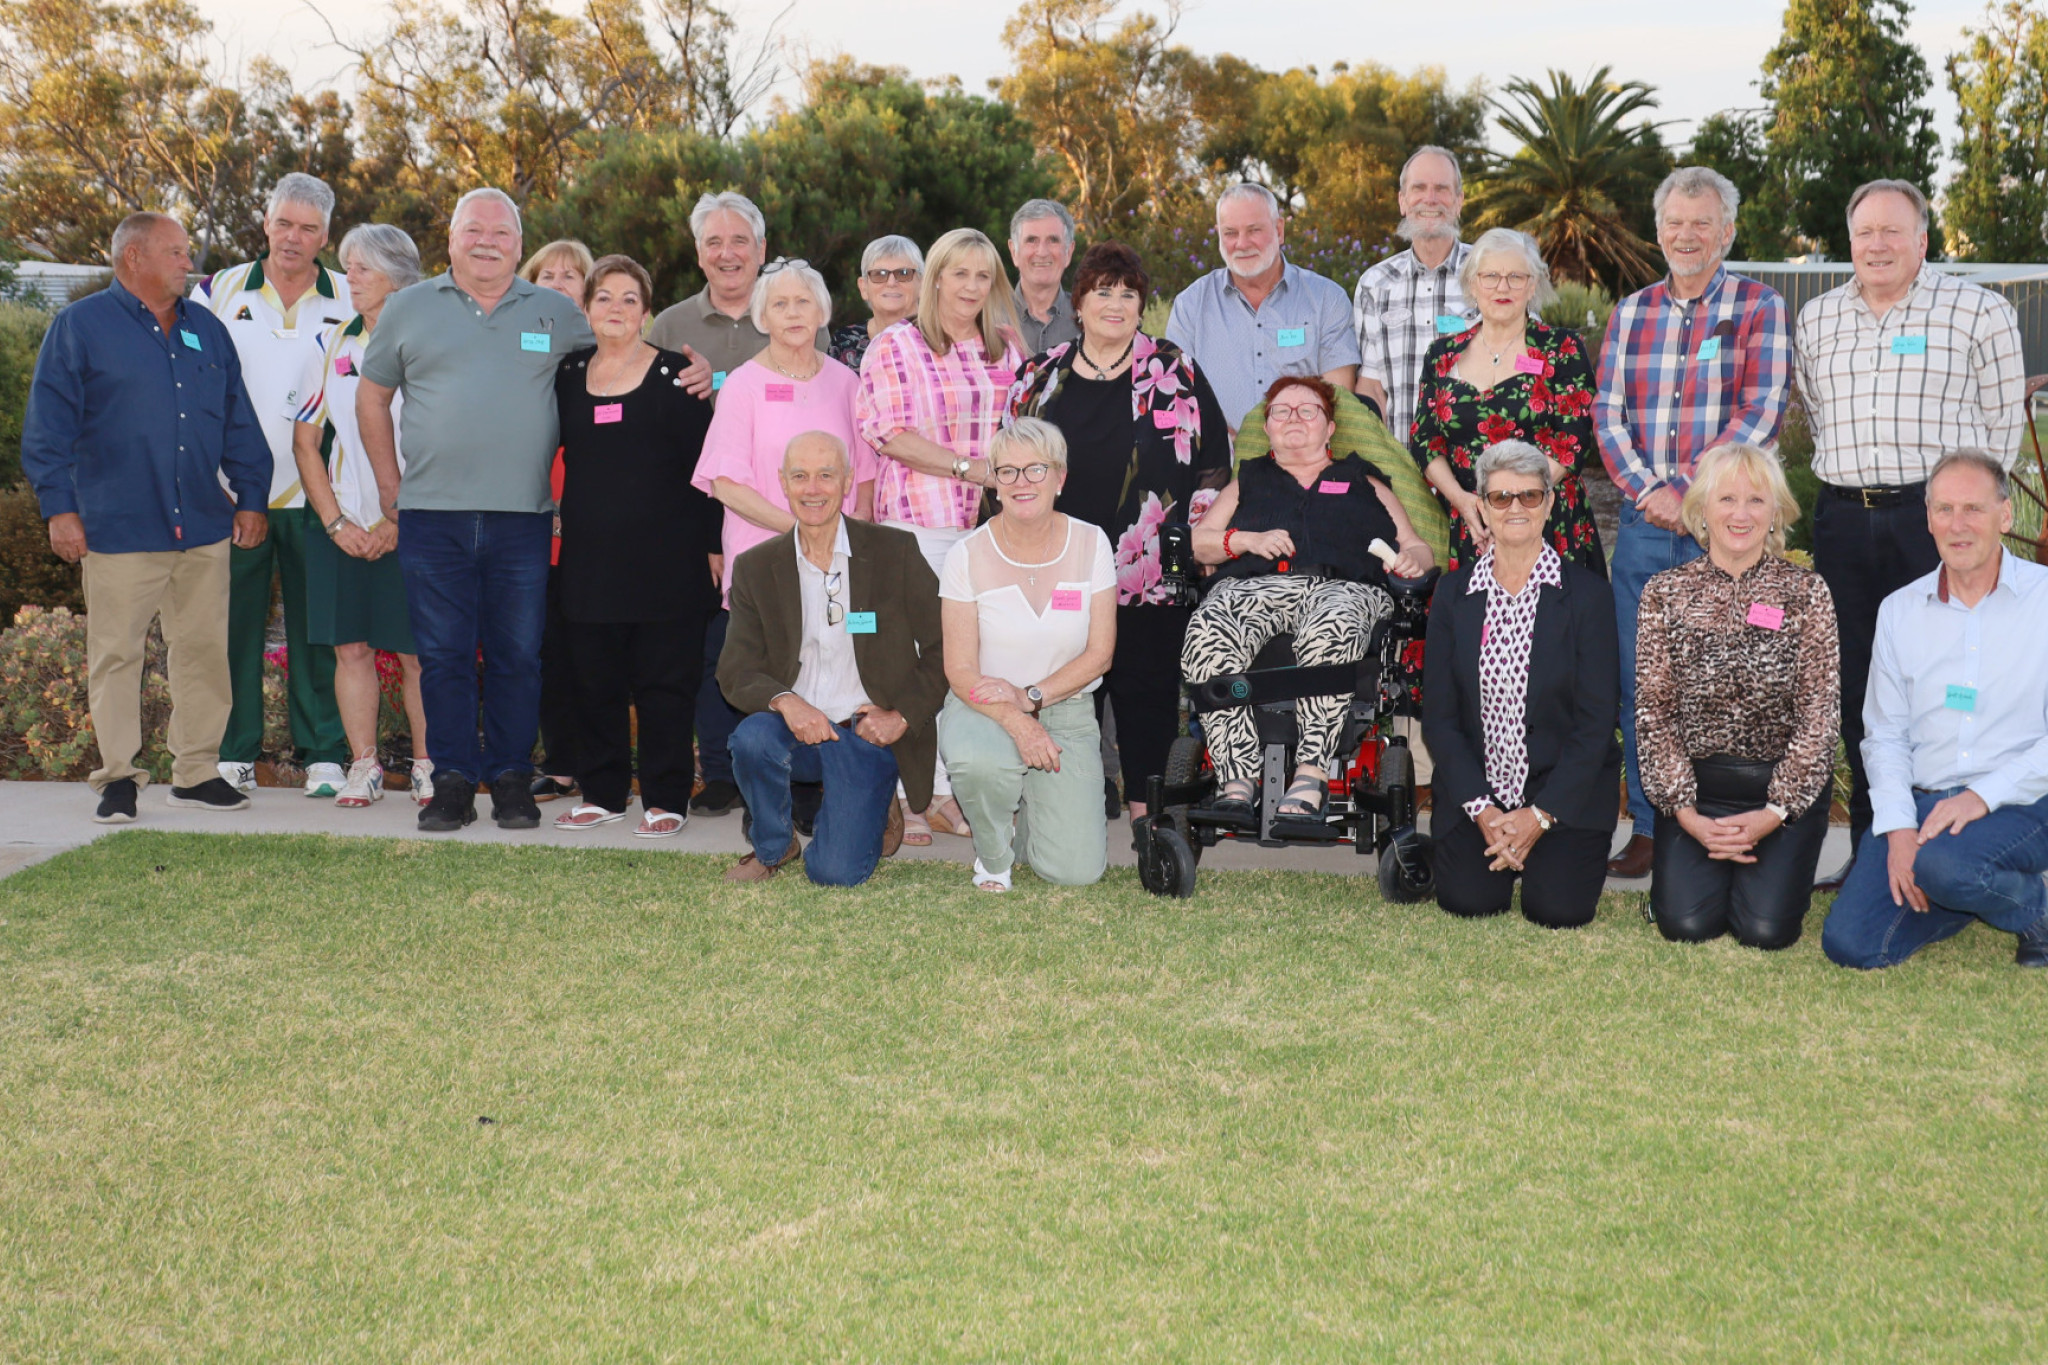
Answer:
x=1695 y=898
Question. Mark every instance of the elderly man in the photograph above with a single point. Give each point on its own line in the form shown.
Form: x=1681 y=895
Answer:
x=475 y=352
x=136 y=413
x=1697 y=360
x=1955 y=740
x=836 y=650
x=276 y=310
x=1897 y=368
x=1041 y=245
x=1259 y=317
x=1408 y=300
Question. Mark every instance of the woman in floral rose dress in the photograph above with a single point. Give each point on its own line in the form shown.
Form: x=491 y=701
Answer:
x=1146 y=444
x=1509 y=378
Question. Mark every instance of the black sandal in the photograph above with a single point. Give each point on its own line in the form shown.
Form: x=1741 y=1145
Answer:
x=1297 y=805
x=1226 y=800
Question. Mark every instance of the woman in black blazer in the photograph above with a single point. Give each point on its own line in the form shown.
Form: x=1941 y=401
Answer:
x=1521 y=685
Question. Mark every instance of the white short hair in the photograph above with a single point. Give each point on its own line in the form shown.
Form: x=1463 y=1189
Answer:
x=300 y=188
x=727 y=201
x=1034 y=209
x=891 y=248
x=1250 y=189
x=1693 y=181
x=383 y=248
x=486 y=195
x=1431 y=149
x=1492 y=242
x=780 y=270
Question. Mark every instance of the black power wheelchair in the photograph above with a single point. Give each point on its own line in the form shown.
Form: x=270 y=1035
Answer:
x=1372 y=802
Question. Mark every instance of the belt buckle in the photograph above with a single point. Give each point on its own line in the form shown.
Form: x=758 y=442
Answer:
x=1873 y=498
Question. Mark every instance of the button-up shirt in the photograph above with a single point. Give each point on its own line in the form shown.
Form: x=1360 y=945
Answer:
x=1959 y=695
x=827 y=674
x=1058 y=328
x=133 y=430
x=1399 y=308
x=1679 y=377
x=956 y=400
x=1303 y=327
x=720 y=340
x=1942 y=370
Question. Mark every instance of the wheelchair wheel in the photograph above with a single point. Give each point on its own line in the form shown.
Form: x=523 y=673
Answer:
x=1183 y=761
x=1408 y=870
x=1166 y=861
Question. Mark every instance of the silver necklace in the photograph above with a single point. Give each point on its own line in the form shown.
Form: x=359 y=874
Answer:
x=800 y=378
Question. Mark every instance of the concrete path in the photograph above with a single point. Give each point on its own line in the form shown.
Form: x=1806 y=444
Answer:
x=41 y=819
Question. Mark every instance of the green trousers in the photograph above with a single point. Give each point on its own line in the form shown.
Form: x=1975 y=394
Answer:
x=1065 y=838
x=317 y=735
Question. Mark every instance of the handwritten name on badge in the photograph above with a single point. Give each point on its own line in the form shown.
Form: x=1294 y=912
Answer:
x=191 y=339
x=1765 y=615
x=608 y=412
x=1066 y=599
x=1334 y=486
x=1291 y=337
x=1528 y=364
x=535 y=341
x=1961 y=698
x=1449 y=324
x=1912 y=345
x=1710 y=349
x=780 y=393
x=717 y=380
x=860 y=623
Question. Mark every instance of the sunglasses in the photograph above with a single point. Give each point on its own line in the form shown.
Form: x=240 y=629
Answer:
x=880 y=275
x=1532 y=498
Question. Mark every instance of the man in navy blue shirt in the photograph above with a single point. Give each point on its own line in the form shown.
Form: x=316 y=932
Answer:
x=136 y=418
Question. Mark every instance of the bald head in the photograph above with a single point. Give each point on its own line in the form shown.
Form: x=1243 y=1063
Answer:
x=817 y=474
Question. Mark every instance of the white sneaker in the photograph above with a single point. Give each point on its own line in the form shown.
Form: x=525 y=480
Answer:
x=325 y=779
x=365 y=783
x=240 y=776
x=423 y=780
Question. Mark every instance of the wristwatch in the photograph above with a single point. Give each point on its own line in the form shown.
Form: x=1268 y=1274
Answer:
x=960 y=468
x=340 y=520
x=1784 y=816
x=1036 y=698
x=1543 y=822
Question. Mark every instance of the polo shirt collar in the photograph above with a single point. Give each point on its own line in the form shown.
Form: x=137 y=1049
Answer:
x=354 y=328
x=323 y=283
x=707 y=310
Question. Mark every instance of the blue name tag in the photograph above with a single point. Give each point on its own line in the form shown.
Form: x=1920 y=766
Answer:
x=1710 y=348
x=717 y=380
x=1961 y=698
x=860 y=623
x=1913 y=345
x=189 y=338
x=1449 y=324
x=535 y=341
x=1292 y=336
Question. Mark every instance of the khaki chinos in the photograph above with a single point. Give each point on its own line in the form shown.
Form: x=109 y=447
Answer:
x=123 y=594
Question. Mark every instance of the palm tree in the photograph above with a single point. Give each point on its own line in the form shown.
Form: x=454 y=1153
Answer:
x=1580 y=178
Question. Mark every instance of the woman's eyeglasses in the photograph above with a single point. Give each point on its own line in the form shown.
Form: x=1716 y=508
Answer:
x=1532 y=498
x=785 y=263
x=1493 y=279
x=835 y=610
x=880 y=275
x=1307 y=412
x=1031 y=473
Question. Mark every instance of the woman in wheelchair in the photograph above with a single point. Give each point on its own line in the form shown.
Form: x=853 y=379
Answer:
x=1291 y=539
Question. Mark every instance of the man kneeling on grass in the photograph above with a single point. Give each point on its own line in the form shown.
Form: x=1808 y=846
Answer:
x=1955 y=741
x=835 y=652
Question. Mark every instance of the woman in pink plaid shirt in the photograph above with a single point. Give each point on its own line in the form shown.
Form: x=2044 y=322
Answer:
x=934 y=389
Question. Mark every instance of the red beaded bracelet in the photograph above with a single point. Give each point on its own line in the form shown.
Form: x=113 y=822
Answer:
x=1226 y=542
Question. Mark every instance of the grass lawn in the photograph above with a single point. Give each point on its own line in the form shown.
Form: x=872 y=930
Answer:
x=244 y=1085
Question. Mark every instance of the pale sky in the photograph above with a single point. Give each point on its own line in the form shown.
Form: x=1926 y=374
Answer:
x=1698 y=64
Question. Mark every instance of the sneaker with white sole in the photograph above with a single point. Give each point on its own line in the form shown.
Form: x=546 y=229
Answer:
x=240 y=776
x=422 y=780
x=365 y=784
x=325 y=779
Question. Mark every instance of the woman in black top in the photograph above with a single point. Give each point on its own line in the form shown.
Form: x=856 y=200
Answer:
x=1146 y=445
x=639 y=546
x=1291 y=539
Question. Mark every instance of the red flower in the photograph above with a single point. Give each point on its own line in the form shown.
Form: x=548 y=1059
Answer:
x=1558 y=445
x=1540 y=400
x=1445 y=363
x=1568 y=345
x=1440 y=404
x=1494 y=428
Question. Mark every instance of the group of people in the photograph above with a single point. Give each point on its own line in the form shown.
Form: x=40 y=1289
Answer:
x=887 y=580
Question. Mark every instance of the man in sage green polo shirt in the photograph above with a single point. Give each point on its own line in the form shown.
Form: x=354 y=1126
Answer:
x=475 y=353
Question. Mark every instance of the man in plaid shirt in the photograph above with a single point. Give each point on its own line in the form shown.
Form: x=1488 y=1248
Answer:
x=1408 y=300
x=1697 y=360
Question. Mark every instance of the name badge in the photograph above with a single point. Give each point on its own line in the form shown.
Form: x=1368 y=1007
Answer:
x=344 y=365
x=1291 y=337
x=535 y=341
x=1528 y=364
x=1066 y=599
x=1961 y=698
x=781 y=393
x=860 y=623
x=1449 y=324
x=1710 y=348
x=717 y=380
x=191 y=339
x=1912 y=345
x=609 y=412
x=1767 y=616
x=1334 y=486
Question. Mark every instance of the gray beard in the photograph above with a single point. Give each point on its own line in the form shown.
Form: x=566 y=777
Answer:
x=1411 y=230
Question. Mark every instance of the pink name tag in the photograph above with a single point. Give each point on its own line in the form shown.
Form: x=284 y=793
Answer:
x=1769 y=617
x=344 y=365
x=1066 y=599
x=1004 y=378
x=1528 y=364
x=780 y=393
x=1332 y=486
x=609 y=412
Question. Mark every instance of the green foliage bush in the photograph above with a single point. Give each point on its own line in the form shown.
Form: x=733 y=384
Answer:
x=45 y=716
x=30 y=574
x=21 y=336
x=1795 y=452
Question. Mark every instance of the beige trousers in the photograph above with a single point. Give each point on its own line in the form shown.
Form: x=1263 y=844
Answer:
x=123 y=594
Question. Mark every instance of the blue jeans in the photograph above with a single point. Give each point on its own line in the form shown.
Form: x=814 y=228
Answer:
x=478 y=580
x=715 y=717
x=860 y=786
x=1641 y=552
x=1990 y=871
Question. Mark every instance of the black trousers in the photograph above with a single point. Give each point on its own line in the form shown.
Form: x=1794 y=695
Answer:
x=1763 y=904
x=1865 y=554
x=651 y=667
x=557 y=689
x=1143 y=684
x=1561 y=885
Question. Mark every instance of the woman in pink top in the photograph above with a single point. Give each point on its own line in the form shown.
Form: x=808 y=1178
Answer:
x=788 y=389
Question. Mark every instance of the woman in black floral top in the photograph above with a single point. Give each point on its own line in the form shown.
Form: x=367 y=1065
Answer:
x=1509 y=378
x=889 y=272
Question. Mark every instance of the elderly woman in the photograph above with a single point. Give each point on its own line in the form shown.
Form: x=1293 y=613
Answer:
x=1738 y=689
x=1028 y=607
x=355 y=593
x=638 y=548
x=1515 y=378
x=889 y=273
x=1521 y=691
x=934 y=391
x=1291 y=539
x=1146 y=445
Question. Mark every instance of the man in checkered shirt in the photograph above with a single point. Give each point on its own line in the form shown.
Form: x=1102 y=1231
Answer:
x=1897 y=368
x=1697 y=360
x=1408 y=300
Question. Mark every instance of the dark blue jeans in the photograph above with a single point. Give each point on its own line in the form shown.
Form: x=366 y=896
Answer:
x=715 y=718
x=1990 y=871
x=478 y=580
x=860 y=784
x=1641 y=552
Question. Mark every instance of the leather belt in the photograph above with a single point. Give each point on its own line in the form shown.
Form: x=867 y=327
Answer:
x=1878 y=494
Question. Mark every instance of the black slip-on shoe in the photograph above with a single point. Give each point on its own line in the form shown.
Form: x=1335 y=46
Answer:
x=806 y=799
x=512 y=803
x=453 y=806
x=117 y=803
x=2033 y=948
x=212 y=794
x=717 y=798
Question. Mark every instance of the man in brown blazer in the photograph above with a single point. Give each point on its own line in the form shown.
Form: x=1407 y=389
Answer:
x=834 y=651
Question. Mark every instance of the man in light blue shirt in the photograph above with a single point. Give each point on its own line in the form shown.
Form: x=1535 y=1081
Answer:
x=1258 y=317
x=1955 y=741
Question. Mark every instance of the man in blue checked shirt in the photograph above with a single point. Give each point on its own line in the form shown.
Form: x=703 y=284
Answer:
x=136 y=415
x=1697 y=360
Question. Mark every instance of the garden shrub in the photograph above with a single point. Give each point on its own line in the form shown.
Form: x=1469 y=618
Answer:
x=30 y=572
x=21 y=336
x=45 y=715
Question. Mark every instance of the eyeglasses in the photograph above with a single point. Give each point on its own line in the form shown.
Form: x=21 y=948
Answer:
x=1532 y=498
x=880 y=275
x=835 y=610
x=1031 y=473
x=1307 y=412
x=1493 y=279
x=785 y=263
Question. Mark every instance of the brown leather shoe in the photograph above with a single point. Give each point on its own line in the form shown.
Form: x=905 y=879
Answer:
x=1634 y=859
x=892 y=831
x=752 y=869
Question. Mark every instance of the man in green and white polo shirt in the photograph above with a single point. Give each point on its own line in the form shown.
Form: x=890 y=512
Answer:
x=275 y=309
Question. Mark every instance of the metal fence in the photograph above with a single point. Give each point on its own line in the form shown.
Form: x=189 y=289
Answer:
x=2025 y=285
